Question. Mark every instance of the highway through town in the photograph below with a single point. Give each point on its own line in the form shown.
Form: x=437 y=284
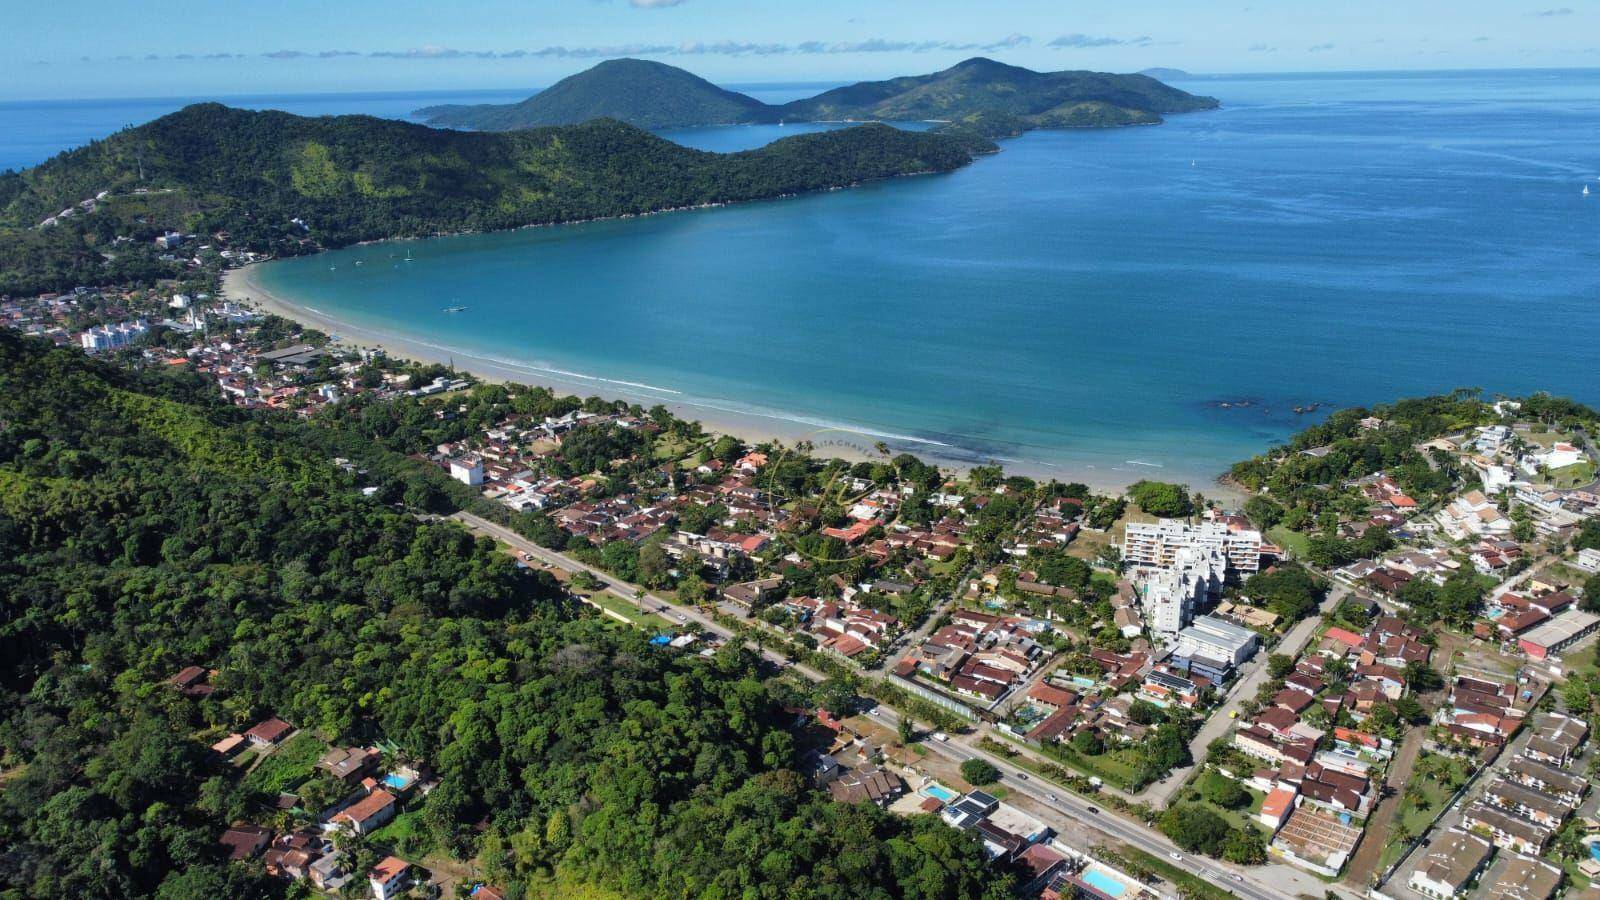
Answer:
x=1070 y=814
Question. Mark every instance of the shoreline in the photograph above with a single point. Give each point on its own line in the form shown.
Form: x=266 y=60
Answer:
x=842 y=441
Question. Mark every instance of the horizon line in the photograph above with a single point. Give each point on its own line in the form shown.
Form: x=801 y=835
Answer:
x=773 y=85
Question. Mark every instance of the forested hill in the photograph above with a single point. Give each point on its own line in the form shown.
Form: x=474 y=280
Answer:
x=996 y=99
x=636 y=91
x=145 y=527
x=209 y=167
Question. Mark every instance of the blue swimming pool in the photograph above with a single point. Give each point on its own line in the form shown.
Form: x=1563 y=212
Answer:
x=940 y=792
x=396 y=780
x=1104 y=883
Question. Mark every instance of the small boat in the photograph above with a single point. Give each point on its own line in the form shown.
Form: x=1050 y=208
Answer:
x=455 y=309
x=1586 y=190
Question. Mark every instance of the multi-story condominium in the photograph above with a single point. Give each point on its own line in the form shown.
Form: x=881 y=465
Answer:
x=111 y=337
x=1170 y=595
x=1213 y=638
x=1156 y=545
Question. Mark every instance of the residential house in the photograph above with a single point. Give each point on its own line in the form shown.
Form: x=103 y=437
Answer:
x=369 y=813
x=269 y=733
x=1449 y=866
x=389 y=878
x=1556 y=738
x=244 y=841
x=1505 y=830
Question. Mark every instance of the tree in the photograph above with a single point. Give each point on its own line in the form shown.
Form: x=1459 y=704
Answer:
x=1195 y=828
x=1159 y=498
x=1223 y=791
x=1263 y=512
x=837 y=696
x=1088 y=743
x=1289 y=590
x=979 y=772
x=1279 y=665
x=907 y=730
x=1590 y=602
x=1245 y=847
x=1421 y=677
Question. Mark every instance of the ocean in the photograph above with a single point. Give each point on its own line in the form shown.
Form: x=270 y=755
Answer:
x=1146 y=302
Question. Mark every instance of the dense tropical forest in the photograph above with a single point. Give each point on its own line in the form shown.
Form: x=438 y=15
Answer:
x=145 y=526
x=281 y=183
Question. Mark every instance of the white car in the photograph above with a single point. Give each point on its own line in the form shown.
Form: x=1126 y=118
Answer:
x=1176 y=856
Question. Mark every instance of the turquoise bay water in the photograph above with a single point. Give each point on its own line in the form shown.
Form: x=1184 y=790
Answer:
x=1147 y=301
x=1082 y=302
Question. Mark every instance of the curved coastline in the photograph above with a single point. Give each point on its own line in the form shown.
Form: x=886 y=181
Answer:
x=846 y=441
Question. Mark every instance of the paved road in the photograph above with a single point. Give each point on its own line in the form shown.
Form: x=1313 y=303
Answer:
x=1070 y=815
x=926 y=628
x=1070 y=812
x=682 y=614
x=1244 y=690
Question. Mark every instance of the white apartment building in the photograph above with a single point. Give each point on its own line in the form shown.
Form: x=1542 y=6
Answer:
x=111 y=337
x=467 y=470
x=1214 y=638
x=1156 y=545
x=1169 y=595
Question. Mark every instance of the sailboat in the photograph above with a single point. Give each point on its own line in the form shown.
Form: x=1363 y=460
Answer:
x=1586 y=190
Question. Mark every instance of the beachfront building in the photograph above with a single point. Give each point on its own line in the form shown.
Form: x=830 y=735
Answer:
x=1159 y=545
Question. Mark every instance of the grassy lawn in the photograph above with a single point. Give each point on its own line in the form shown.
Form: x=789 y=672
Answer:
x=1293 y=541
x=671 y=448
x=626 y=609
x=287 y=767
x=1243 y=817
x=1572 y=476
x=1576 y=879
x=1414 y=818
x=406 y=836
x=1112 y=767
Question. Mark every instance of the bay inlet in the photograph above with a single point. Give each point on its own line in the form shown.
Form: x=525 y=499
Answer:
x=1094 y=305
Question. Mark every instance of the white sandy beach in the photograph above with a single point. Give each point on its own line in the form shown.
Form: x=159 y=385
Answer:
x=241 y=285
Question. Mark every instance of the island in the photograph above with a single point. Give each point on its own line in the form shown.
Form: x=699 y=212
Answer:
x=980 y=95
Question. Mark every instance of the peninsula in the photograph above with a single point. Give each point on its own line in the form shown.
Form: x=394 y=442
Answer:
x=284 y=184
x=979 y=94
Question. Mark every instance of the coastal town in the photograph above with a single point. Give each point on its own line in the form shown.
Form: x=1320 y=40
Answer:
x=1375 y=672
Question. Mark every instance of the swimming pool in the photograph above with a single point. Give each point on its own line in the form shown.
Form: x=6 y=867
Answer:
x=1104 y=883
x=396 y=780
x=940 y=792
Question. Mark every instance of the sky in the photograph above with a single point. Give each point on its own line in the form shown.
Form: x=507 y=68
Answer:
x=132 y=48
